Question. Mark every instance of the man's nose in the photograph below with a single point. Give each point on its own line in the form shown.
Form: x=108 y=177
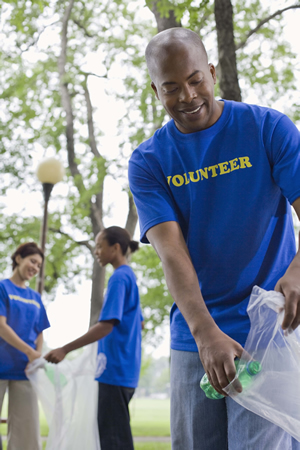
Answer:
x=187 y=94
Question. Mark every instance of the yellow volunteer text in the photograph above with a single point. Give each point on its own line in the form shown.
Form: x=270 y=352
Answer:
x=222 y=168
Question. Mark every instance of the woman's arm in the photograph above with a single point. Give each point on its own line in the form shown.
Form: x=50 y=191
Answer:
x=11 y=337
x=39 y=342
x=96 y=332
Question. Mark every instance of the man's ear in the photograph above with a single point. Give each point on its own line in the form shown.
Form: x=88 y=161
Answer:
x=155 y=90
x=212 y=70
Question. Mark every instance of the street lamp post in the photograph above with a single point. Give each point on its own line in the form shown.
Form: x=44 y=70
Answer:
x=49 y=172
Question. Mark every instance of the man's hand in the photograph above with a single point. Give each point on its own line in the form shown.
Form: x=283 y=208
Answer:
x=55 y=356
x=289 y=286
x=217 y=352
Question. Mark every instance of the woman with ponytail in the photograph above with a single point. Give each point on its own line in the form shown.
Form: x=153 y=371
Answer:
x=119 y=334
x=22 y=321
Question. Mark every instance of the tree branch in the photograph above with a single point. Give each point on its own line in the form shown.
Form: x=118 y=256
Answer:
x=97 y=206
x=132 y=216
x=92 y=74
x=90 y=122
x=163 y=23
x=84 y=243
x=82 y=27
x=35 y=41
x=66 y=100
x=262 y=23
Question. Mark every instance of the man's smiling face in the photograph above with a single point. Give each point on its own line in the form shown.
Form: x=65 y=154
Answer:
x=184 y=83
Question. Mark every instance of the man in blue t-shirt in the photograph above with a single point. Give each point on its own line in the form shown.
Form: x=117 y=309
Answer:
x=213 y=189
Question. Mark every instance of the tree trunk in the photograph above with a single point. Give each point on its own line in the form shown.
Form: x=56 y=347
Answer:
x=132 y=216
x=163 y=23
x=227 y=68
x=98 y=283
x=96 y=205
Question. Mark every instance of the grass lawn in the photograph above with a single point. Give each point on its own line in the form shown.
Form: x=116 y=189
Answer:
x=152 y=446
x=137 y=446
x=4 y=444
x=149 y=417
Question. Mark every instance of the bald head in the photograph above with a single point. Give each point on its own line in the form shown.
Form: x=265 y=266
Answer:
x=169 y=42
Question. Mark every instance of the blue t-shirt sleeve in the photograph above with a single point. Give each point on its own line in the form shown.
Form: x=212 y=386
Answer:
x=3 y=301
x=113 y=306
x=285 y=157
x=153 y=200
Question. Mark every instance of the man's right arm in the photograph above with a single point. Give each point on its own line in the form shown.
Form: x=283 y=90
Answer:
x=216 y=350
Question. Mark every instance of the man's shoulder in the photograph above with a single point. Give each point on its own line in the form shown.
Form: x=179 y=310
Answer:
x=254 y=109
x=153 y=144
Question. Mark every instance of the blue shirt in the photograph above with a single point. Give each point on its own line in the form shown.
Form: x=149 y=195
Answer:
x=26 y=315
x=229 y=188
x=122 y=347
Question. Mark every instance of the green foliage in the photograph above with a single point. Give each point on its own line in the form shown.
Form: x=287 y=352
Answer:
x=147 y=361
x=156 y=300
x=266 y=63
x=155 y=377
x=65 y=260
x=33 y=121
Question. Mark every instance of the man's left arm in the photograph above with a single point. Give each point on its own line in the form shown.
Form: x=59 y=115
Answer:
x=289 y=286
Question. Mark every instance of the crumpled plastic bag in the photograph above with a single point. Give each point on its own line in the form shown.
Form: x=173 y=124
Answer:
x=68 y=393
x=274 y=393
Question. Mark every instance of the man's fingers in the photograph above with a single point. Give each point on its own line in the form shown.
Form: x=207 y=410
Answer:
x=214 y=381
x=221 y=378
x=246 y=356
x=231 y=374
x=290 y=314
x=277 y=287
x=296 y=321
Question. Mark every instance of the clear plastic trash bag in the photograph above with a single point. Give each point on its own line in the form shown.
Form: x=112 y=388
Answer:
x=68 y=393
x=274 y=393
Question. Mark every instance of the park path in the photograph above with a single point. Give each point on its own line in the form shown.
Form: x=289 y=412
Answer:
x=151 y=439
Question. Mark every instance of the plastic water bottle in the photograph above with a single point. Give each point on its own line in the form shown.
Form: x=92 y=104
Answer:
x=51 y=374
x=247 y=370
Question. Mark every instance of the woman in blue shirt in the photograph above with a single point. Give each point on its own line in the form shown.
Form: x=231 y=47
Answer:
x=119 y=334
x=22 y=321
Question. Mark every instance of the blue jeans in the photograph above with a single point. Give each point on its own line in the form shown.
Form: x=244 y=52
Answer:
x=198 y=423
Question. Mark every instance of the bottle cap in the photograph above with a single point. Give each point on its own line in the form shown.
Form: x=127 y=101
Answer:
x=253 y=367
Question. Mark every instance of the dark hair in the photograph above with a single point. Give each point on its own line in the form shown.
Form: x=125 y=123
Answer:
x=27 y=249
x=118 y=235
